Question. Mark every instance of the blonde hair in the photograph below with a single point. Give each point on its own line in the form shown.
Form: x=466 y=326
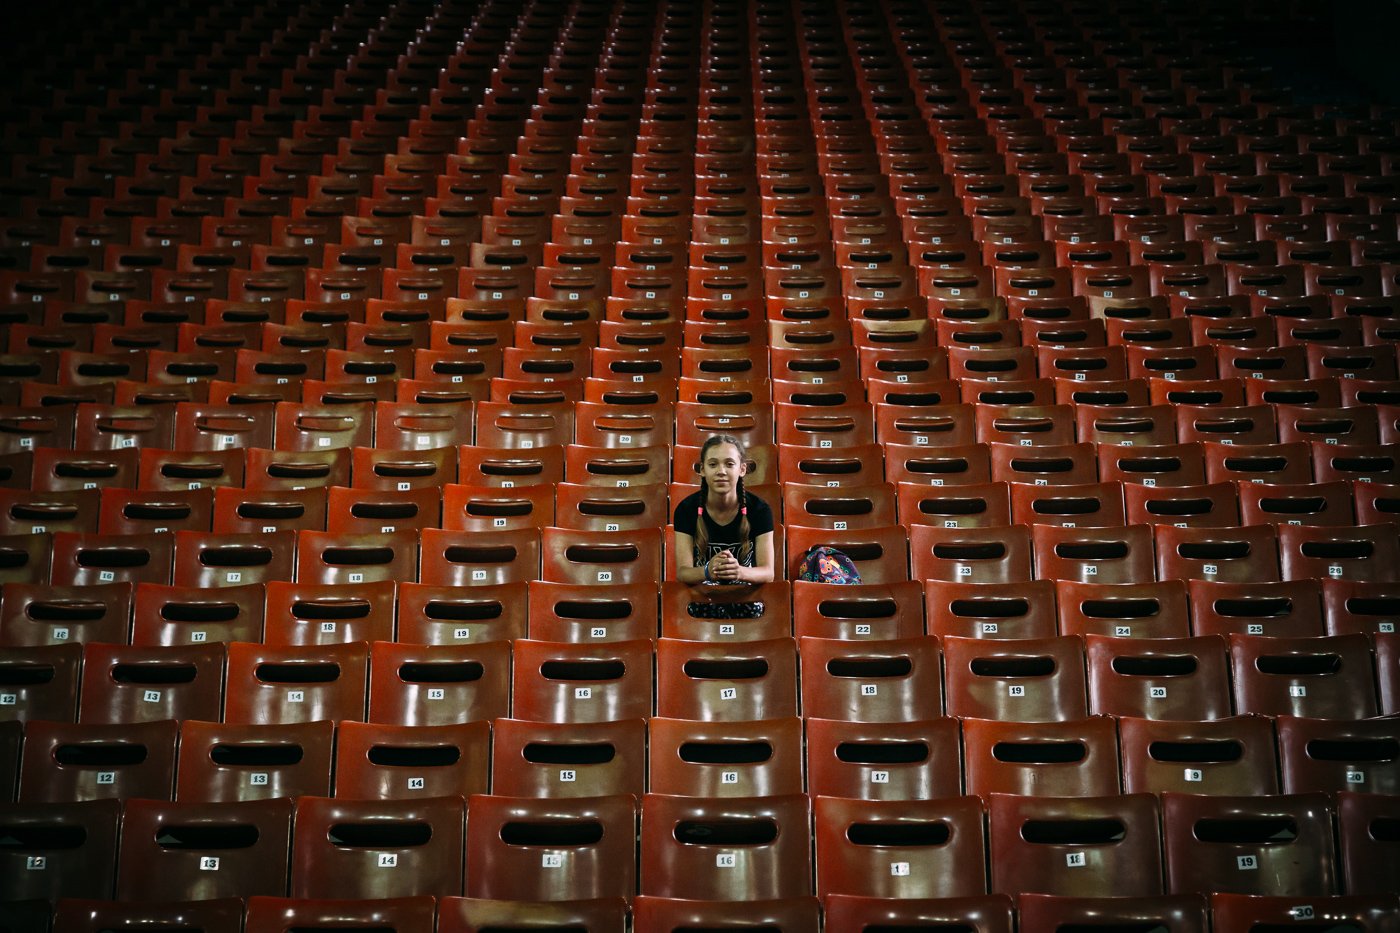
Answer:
x=702 y=533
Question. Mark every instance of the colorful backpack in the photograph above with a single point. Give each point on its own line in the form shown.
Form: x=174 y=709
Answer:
x=828 y=565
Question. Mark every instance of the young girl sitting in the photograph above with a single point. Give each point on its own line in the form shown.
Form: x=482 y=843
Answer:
x=723 y=533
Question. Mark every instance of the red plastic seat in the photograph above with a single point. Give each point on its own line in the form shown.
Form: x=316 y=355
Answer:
x=292 y=472
x=1093 y=505
x=991 y=610
x=1050 y=465
x=736 y=849
x=943 y=425
x=1291 y=608
x=989 y=914
x=562 y=682
x=222 y=915
x=382 y=761
x=1025 y=425
x=584 y=612
x=523 y=427
x=884 y=761
x=1375 y=502
x=1259 y=463
x=827 y=426
x=1241 y=913
x=35 y=869
x=55 y=469
x=725 y=759
x=175 y=615
x=1230 y=756
x=899 y=849
x=1021 y=680
x=66 y=762
x=605 y=508
x=507 y=467
x=295 y=684
x=1352 y=606
x=1077 y=758
x=286 y=914
x=1233 y=844
x=599 y=424
x=726 y=682
x=674 y=915
x=403 y=470
x=494 y=509
x=221 y=762
x=378 y=848
x=541 y=759
x=856 y=470
x=219 y=849
x=1303 y=504
x=413 y=426
x=972 y=555
x=585 y=846
x=1212 y=505
x=1374 y=463
x=880 y=554
x=1322 y=677
x=1167 y=913
x=1093 y=555
x=1365 y=844
x=1353 y=425
x=692 y=616
x=250 y=511
x=352 y=559
x=1158 y=678
x=40 y=683
x=1166 y=465
x=860 y=612
x=222 y=427
x=601 y=557
x=432 y=614
x=433 y=685
x=1232 y=555
x=1326 y=756
x=114 y=427
x=313 y=426
x=752 y=423
x=38 y=614
x=1075 y=846
x=138 y=684
x=1128 y=610
x=222 y=561
x=942 y=466
x=1365 y=552
x=971 y=505
x=871 y=681
x=619 y=468
x=459 y=558
x=355 y=511
x=86 y=559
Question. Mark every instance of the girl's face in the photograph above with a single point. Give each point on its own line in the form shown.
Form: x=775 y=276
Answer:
x=722 y=468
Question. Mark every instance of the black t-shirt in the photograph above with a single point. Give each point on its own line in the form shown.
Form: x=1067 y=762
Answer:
x=724 y=537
